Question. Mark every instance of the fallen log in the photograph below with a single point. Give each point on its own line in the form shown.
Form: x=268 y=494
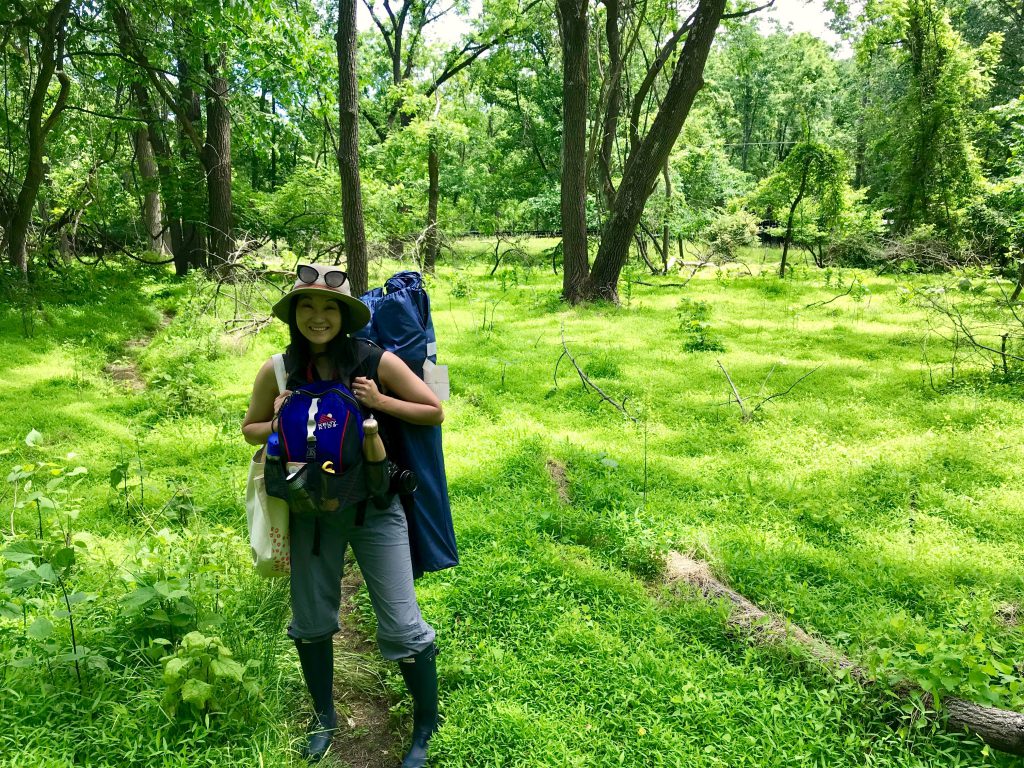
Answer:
x=999 y=728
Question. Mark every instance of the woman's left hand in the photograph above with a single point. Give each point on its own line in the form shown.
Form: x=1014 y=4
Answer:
x=366 y=392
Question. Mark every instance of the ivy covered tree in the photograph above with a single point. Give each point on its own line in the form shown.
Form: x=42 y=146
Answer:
x=925 y=82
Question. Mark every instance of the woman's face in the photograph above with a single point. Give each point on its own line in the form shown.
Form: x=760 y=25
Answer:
x=318 y=319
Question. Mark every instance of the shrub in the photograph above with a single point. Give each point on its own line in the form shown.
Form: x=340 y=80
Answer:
x=202 y=674
x=731 y=231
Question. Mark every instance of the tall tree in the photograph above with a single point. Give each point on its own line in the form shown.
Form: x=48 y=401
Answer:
x=201 y=61
x=922 y=115
x=216 y=155
x=348 y=147
x=572 y=25
x=50 y=29
x=647 y=157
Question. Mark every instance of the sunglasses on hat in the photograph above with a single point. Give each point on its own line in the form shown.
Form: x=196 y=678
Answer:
x=309 y=275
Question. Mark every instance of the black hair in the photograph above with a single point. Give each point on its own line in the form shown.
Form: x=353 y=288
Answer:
x=341 y=350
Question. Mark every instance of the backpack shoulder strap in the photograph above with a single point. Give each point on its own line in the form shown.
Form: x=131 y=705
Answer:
x=279 y=373
x=367 y=360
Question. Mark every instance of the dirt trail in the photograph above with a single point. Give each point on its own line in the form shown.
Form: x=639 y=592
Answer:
x=124 y=369
x=364 y=738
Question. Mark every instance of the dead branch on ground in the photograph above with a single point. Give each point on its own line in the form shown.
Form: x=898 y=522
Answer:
x=746 y=412
x=999 y=728
x=588 y=385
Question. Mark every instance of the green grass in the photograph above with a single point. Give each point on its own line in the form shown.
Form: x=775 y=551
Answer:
x=865 y=505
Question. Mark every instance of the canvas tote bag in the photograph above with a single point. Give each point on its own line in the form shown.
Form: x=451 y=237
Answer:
x=267 y=516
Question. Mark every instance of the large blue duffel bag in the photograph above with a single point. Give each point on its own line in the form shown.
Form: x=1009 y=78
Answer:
x=400 y=322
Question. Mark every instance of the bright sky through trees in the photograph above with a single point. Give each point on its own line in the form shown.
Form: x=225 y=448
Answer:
x=802 y=15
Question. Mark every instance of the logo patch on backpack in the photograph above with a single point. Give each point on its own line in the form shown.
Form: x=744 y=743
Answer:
x=326 y=421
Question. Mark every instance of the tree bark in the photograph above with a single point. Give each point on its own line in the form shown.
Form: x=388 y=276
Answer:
x=191 y=244
x=1020 y=283
x=572 y=26
x=217 y=162
x=348 y=148
x=665 y=233
x=51 y=55
x=646 y=159
x=611 y=115
x=433 y=193
x=152 y=210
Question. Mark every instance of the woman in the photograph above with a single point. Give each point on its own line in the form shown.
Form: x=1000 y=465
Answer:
x=321 y=313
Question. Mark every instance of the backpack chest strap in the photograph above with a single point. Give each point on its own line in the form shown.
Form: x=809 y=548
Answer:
x=311 y=429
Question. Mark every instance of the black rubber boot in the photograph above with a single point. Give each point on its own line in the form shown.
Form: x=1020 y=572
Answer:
x=420 y=673
x=317 y=659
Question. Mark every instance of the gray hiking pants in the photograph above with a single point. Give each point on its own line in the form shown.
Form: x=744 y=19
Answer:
x=381 y=547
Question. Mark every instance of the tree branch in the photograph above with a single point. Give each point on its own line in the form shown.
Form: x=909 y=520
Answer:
x=748 y=12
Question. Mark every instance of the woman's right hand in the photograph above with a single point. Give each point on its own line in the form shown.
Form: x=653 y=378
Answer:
x=279 y=400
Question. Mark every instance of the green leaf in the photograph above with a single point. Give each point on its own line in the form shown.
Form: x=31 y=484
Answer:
x=20 y=552
x=228 y=668
x=197 y=693
x=41 y=628
x=46 y=573
x=138 y=598
x=63 y=558
x=174 y=668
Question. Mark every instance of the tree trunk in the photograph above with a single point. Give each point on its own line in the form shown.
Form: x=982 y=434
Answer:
x=348 y=148
x=433 y=193
x=191 y=242
x=152 y=213
x=647 y=158
x=217 y=162
x=789 y=221
x=1020 y=284
x=611 y=115
x=51 y=55
x=572 y=25
x=665 y=234
x=169 y=187
x=273 y=142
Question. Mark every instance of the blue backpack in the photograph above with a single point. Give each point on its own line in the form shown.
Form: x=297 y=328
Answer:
x=400 y=322
x=321 y=427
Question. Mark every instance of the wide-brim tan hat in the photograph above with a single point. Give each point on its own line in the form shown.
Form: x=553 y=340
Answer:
x=355 y=313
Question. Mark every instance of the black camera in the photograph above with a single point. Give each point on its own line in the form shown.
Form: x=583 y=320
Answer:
x=401 y=481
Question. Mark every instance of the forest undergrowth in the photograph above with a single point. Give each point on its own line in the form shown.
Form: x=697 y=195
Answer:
x=876 y=504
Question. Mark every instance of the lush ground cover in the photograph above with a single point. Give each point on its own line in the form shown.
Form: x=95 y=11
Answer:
x=873 y=504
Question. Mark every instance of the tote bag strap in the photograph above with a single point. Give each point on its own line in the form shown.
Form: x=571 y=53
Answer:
x=279 y=372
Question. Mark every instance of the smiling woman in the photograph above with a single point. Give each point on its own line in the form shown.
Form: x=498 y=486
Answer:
x=323 y=362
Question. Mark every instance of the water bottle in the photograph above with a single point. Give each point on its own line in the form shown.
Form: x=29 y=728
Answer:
x=377 y=475
x=373 y=446
x=274 y=448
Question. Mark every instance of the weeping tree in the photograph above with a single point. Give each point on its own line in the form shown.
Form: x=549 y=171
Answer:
x=811 y=173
